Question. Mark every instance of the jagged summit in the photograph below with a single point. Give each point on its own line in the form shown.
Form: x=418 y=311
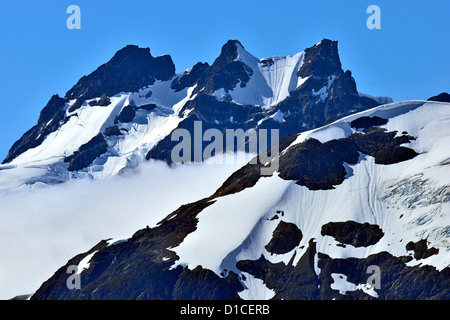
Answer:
x=321 y=60
x=130 y=69
x=228 y=53
x=137 y=100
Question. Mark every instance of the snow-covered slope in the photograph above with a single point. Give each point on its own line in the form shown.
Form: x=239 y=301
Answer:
x=147 y=128
x=272 y=81
x=408 y=200
x=311 y=230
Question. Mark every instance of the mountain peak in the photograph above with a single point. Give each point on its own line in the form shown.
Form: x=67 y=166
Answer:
x=130 y=69
x=131 y=51
x=228 y=54
x=322 y=59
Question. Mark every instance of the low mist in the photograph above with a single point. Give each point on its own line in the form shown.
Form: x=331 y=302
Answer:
x=42 y=228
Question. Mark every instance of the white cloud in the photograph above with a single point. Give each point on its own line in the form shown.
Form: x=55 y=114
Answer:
x=41 y=229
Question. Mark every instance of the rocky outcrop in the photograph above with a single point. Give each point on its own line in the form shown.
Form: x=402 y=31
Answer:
x=129 y=70
x=421 y=250
x=442 y=97
x=353 y=233
x=49 y=121
x=87 y=153
x=285 y=237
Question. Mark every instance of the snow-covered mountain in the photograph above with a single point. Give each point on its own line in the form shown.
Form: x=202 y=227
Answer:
x=355 y=205
x=124 y=112
x=367 y=195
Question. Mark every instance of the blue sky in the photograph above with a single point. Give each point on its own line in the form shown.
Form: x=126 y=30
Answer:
x=406 y=59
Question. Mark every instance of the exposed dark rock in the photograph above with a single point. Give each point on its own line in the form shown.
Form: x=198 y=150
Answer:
x=127 y=114
x=299 y=282
x=353 y=233
x=267 y=62
x=49 y=121
x=398 y=281
x=57 y=283
x=76 y=105
x=285 y=237
x=197 y=75
x=421 y=250
x=248 y=175
x=313 y=164
x=52 y=109
x=227 y=55
x=102 y=102
x=442 y=97
x=129 y=70
x=147 y=107
x=367 y=122
x=275 y=217
x=345 y=149
x=112 y=131
x=201 y=284
x=384 y=146
x=228 y=77
x=321 y=60
x=87 y=153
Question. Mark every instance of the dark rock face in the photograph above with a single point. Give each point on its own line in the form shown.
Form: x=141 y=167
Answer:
x=127 y=114
x=384 y=146
x=102 y=102
x=76 y=105
x=147 y=107
x=306 y=107
x=49 y=121
x=208 y=110
x=313 y=164
x=87 y=153
x=367 y=122
x=285 y=237
x=321 y=60
x=196 y=75
x=353 y=233
x=300 y=282
x=225 y=72
x=421 y=250
x=442 y=97
x=397 y=280
x=112 y=131
x=131 y=69
x=320 y=166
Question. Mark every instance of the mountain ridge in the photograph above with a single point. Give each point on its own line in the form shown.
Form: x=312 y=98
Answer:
x=202 y=242
x=138 y=101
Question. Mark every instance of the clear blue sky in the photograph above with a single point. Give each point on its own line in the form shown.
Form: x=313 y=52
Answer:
x=407 y=59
